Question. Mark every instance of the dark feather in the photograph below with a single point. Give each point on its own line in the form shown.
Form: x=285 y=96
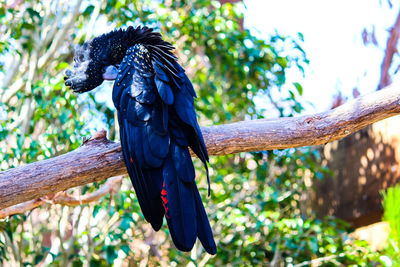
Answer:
x=143 y=111
x=164 y=64
x=151 y=160
x=165 y=91
x=159 y=144
x=181 y=204
x=131 y=112
x=160 y=118
x=189 y=87
x=177 y=130
x=204 y=231
x=147 y=97
x=137 y=145
x=160 y=73
x=181 y=158
x=150 y=204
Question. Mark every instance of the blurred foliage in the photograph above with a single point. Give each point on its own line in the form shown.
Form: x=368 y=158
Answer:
x=255 y=209
x=391 y=207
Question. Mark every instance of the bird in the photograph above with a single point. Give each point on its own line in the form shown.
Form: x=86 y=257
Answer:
x=154 y=100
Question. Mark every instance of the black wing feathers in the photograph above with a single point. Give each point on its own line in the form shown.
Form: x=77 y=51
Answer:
x=149 y=200
x=204 y=231
x=154 y=99
x=133 y=117
x=165 y=91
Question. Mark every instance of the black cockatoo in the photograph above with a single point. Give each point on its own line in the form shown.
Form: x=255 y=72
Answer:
x=154 y=100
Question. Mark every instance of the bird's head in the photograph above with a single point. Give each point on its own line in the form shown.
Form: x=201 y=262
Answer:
x=95 y=61
x=98 y=59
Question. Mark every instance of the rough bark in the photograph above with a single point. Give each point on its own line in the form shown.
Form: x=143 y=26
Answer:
x=99 y=158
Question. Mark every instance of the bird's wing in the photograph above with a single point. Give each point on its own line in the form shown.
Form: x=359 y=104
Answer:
x=177 y=91
x=143 y=120
x=182 y=116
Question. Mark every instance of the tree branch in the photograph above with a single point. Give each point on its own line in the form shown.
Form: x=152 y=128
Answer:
x=64 y=199
x=99 y=158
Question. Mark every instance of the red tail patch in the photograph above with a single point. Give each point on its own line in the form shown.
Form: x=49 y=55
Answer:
x=131 y=160
x=165 y=200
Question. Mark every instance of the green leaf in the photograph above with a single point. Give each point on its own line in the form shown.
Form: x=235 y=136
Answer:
x=298 y=87
x=96 y=210
x=111 y=254
x=88 y=10
x=126 y=249
x=62 y=65
x=125 y=223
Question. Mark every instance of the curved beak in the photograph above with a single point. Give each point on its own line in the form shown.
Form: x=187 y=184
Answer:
x=110 y=73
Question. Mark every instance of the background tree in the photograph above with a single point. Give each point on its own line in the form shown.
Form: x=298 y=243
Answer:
x=255 y=205
x=375 y=165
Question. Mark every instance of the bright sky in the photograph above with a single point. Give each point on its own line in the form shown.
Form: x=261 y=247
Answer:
x=332 y=40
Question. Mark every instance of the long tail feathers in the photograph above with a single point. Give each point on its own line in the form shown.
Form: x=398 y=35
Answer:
x=204 y=231
x=184 y=211
x=181 y=210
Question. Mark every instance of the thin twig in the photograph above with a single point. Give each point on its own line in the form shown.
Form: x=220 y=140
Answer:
x=277 y=254
x=64 y=199
x=319 y=260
